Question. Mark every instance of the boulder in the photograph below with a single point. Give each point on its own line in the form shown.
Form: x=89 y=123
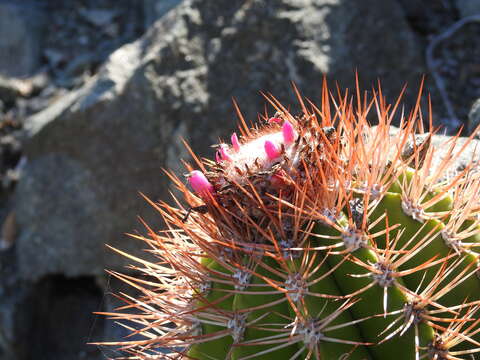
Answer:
x=155 y=9
x=468 y=7
x=474 y=117
x=465 y=152
x=21 y=36
x=92 y=152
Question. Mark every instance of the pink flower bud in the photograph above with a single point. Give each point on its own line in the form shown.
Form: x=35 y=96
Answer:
x=235 y=143
x=288 y=133
x=271 y=150
x=199 y=183
x=275 y=120
x=224 y=153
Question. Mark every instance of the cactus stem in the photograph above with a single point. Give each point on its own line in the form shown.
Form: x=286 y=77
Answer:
x=311 y=331
x=454 y=334
x=354 y=239
x=296 y=286
x=242 y=279
x=237 y=326
x=299 y=234
x=419 y=308
x=413 y=209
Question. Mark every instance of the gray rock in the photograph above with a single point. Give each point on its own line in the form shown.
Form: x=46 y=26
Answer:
x=8 y=89
x=468 y=7
x=11 y=88
x=91 y=152
x=9 y=319
x=98 y=17
x=69 y=182
x=21 y=36
x=89 y=180
x=442 y=144
x=54 y=57
x=52 y=319
x=155 y=9
x=80 y=64
x=474 y=117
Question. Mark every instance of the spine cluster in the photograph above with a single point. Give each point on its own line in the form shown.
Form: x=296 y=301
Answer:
x=316 y=236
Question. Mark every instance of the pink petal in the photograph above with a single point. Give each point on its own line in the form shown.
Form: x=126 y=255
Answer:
x=271 y=150
x=288 y=133
x=199 y=183
x=235 y=143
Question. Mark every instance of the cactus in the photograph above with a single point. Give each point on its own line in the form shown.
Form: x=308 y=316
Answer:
x=316 y=236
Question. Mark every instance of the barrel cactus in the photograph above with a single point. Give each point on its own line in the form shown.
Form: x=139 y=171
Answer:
x=316 y=236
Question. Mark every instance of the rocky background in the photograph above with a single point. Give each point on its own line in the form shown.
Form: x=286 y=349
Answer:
x=95 y=96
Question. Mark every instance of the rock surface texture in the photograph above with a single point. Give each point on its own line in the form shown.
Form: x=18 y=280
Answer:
x=474 y=116
x=468 y=7
x=21 y=38
x=93 y=150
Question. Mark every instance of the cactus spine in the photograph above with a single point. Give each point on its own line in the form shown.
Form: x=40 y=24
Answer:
x=317 y=236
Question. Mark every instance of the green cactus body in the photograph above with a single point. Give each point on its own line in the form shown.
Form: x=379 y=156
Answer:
x=371 y=303
x=319 y=237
